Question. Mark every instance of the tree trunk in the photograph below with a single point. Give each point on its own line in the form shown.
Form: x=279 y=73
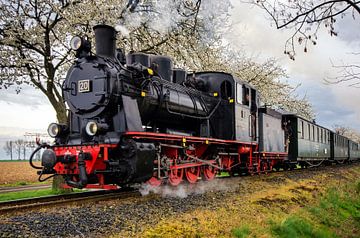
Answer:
x=59 y=180
x=57 y=183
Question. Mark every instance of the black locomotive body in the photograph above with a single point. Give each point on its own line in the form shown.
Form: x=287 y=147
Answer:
x=135 y=118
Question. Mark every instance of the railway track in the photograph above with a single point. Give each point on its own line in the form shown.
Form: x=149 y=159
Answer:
x=64 y=199
x=73 y=198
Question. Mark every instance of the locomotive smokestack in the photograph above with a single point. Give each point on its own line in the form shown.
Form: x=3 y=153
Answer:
x=105 y=40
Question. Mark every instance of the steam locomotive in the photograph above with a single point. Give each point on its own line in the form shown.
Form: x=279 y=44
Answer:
x=135 y=118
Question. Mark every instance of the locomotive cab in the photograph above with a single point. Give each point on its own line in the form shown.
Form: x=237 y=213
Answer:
x=246 y=112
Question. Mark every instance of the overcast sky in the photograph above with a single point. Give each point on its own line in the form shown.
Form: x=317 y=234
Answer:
x=252 y=32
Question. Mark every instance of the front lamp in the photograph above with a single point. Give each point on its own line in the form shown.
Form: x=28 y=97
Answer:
x=76 y=43
x=93 y=128
x=56 y=130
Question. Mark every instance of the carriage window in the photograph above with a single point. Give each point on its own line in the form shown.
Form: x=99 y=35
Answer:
x=321 y=135
x=313 y=132
x=301 y=129
x=239 y=93
x=317 y=134
x=310 y=134
x=304 y=131
x=327 y=137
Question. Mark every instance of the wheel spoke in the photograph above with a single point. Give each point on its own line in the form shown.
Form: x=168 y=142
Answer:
x=175 y=176
x=192 y=174
x=209 y=172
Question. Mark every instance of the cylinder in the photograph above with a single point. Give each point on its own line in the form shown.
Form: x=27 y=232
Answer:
x=105 y=41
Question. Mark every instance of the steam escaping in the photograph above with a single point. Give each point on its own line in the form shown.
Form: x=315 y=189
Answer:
x=164 y=16
x=185 y=190
x=123 y=30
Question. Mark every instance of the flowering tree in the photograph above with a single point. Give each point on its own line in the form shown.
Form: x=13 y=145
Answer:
x=347 y=132
x=34 y=36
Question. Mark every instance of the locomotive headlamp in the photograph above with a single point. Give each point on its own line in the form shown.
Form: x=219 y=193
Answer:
x=76 y=43
x=91 y=128
x=55 y=130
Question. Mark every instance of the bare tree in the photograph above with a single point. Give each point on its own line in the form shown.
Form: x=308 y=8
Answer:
x=8 y=148
x=19 y=147
x=346 y=73
x=306 y=18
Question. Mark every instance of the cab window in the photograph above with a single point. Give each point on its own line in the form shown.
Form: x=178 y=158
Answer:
x=225 y=90
x=239 y=93
x=246 y=96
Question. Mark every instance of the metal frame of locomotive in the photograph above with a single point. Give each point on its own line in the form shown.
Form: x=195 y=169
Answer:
x=135 y=119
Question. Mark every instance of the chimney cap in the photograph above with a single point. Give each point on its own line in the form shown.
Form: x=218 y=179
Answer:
x=104 y=26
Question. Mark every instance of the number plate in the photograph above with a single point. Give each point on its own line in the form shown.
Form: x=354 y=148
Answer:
x=84 y=86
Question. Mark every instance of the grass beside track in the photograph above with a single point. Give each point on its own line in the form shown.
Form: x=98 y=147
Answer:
x=325 y=205
x=337 y=214
x=31 y=194
x=26 y=194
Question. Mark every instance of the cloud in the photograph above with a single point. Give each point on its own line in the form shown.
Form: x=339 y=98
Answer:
x=34 y=97
x=25 y=116
x=329 y=103
x=345 y=27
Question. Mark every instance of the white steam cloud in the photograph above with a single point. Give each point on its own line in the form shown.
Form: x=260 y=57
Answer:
x=184 y=190
x=162 y=16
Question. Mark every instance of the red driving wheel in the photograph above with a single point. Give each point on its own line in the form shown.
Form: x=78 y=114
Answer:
x=209 y=172
x=175 y=176
x=192 y=174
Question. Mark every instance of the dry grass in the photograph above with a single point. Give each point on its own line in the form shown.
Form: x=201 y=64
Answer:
x=17 y=172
